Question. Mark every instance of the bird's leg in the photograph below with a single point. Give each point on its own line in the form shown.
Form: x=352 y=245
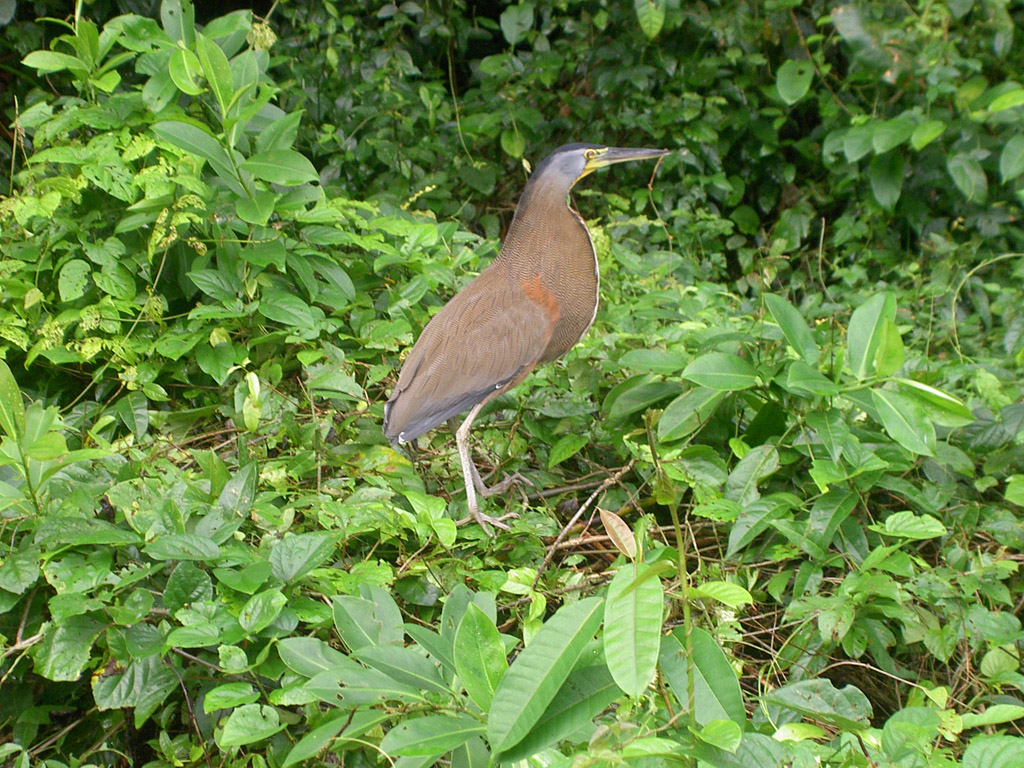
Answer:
x=470 y=476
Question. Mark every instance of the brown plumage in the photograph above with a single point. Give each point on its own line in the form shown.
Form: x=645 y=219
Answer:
x=530 y=306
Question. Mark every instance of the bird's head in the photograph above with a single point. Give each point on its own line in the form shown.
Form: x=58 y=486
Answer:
x=571 y=162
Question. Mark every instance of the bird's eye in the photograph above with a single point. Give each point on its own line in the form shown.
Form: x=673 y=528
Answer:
x=590 y=154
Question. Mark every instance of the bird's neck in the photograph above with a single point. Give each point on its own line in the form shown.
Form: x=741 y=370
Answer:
x=544 y=234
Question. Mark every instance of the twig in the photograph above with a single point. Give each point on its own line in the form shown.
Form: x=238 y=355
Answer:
x=607 y=483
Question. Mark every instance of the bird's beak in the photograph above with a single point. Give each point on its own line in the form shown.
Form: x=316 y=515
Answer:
x=614 y=155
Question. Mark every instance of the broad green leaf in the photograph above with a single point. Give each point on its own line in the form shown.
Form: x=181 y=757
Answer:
x=716 y=690
x=73 y=280
x=724 y=592
x=513 y=143
x=760 y=462
x=282 y=166
x=237 y=495
x=586 y=693
x=201 y=143
x=357 y=686
x=248 y=724
x=905 y=421
x=334 y=733
x=216 y=70
x=143 y=685
x=430 y=735
x=968 y=176
x=637 y=394
x=793 y=326
x=566 y=447
x=793 y=80
x=1008 y=100
x=516 y=21
x=721 y=371
x=803 y=379
x=945 y=410
x=826 y=516
x=65 y=648
x=886 y=175
x=1015 y=490
x=857 y=142
x=724 y=734
x=651 y=16
x=287 y=309
x=185 y=70
x=51 y=61
x=12 y=405
x=536 y=675
x=1000 y=751
x=309 y=656
x=865 y=332
x=261 y=609
x=688 y=413
x=632 y=627
x=182 y=546
x=818 y=699
x=295 y=555
x=909 y=525
x=479 y=656
x=890 y=134
x=889 y=357
x=663 y=361
x=926 y=133
x=373 y=619
x=1011 y=159
x=994 y=715
x=405 y=665
x=228 y=696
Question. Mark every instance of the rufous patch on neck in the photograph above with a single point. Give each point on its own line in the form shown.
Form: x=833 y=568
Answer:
x=545 y=299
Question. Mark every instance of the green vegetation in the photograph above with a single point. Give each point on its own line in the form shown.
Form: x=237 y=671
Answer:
x=791 y=447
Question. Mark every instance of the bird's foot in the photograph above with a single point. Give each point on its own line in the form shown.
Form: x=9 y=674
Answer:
x=502 y=487
x=486 y=521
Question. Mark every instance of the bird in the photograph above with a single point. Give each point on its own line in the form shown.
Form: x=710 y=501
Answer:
x=530 y=306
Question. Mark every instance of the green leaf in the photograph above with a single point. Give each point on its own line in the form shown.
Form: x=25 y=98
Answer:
x=228 y=696
x=994 y=752
x=890 y=134
x=185 y=70
x=886 y=175
x=260 y=610
x=516 y=21
x=794 y=327
x=632 y=627
x=663 y=361
x=724 y=592
x=905 y=421
x=404 y=665
x=217 y=71
x=847 y=709
x=513 y=143
x=201 y=143
x=760 y=462
x=51 y=61
x=1014 y=492
x=362 y=622
x=248 y=724
x=865 y=332
x=908 y=525
x=586 y=693
x=688 y=413
x=1011 y=159
x=724 y=734
x=889 y=357
x=12 y=404
x=335 y=733
x=716 y=690
x=309 y=656
x=926 y=133
x=133 y=410
x=968 y=176
x=637 y=394
x=944 y=409
x=282 y=166
x=479 y=656
x=65 y=649
x=803 y=379
x=1008 y=100
x=857 y=142
x=651 y=16
x=73 y=279
x=721 y=371
x=430 y=735
x=566 y=447
x=286 y=309
x=794 y=80
x=538 y=672
x=182 y=546
x=297 y=554
x=143 y=685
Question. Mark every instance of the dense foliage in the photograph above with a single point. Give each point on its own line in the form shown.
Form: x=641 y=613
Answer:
x=778 y=486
